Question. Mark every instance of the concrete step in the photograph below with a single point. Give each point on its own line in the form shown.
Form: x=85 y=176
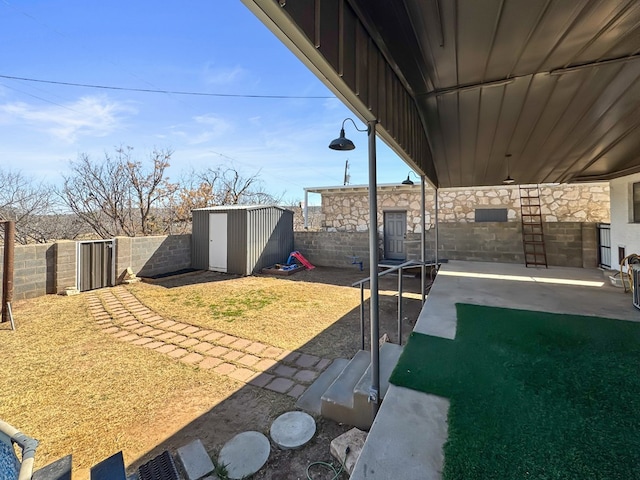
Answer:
x=389 y=354
x=406 y=439
x=337 y=400
x=311 y=400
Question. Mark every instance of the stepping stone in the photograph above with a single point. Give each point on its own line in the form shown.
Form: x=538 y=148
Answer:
x=261 y=379
x=285 y=371
x=192 y=358
x=245 y=454
x=255 y=348
x=307 y=361
x=209 y=362
x=280 y=385
x=305 y=376
x=296 y=391
x=265 y=364
x=292 y=430
x=195 y=460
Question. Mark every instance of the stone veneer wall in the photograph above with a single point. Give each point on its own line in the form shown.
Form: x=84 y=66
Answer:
x=348 y=211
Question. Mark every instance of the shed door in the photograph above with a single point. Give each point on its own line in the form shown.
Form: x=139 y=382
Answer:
x=218 y=242
x=395 y=230
x=95 y=265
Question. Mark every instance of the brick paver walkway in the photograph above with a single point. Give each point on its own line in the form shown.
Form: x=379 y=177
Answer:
x=122 y=315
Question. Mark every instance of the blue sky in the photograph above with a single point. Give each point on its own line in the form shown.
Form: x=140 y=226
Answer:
x=215 y=46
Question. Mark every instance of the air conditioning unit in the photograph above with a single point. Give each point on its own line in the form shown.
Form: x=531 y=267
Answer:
x=636 y=285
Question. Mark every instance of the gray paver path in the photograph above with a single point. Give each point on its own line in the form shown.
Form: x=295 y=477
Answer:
x=120 y=314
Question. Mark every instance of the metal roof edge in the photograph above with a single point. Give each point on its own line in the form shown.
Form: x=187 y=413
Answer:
x=238 y=207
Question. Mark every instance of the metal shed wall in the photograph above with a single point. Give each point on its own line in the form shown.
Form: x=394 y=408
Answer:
x=236 y=240
x=269 y=237
x=200 y=239
x=257 y=237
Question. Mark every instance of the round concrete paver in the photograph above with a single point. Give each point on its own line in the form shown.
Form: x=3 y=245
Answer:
x=245 y=454
x=292 y=430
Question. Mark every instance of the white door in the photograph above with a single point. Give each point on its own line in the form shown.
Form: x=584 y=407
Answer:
x=218 y=242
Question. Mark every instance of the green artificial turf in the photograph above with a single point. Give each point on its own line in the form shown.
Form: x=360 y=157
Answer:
x=533 y=395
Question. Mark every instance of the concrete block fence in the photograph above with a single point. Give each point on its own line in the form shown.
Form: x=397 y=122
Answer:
x=52 y=267
x=149 y=256
x=333 y=249
x=34 y=270
x=568 y=244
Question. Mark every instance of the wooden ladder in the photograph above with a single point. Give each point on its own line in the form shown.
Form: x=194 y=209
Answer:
x=535 y=254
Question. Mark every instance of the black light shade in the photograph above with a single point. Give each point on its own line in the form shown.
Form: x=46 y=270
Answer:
x=407 y=181
x=341 y=143
x=508 y=180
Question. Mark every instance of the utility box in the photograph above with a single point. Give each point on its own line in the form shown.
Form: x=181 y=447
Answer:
x=241 y=239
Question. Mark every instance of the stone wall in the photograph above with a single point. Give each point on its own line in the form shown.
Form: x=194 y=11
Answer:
x=347 y=209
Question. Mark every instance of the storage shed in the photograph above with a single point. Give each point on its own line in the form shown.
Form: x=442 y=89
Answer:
x=241 y=239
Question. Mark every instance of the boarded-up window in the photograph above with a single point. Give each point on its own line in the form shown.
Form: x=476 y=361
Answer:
x=491 y=214
x=636 y=202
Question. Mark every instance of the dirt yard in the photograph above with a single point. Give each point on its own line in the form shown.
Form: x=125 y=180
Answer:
x=80 y=391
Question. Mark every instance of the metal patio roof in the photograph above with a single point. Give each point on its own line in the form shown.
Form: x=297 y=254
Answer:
x=458 y=85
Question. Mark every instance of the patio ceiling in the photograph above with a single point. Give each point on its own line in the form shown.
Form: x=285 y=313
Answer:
x=458 y=85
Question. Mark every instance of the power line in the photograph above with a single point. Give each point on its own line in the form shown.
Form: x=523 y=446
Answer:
x=40 y=98
x=173 y=92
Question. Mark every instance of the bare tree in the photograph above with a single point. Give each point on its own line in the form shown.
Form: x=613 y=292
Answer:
x=222 y=185
x=32 y=205
x=151 y=189
x=117 y=195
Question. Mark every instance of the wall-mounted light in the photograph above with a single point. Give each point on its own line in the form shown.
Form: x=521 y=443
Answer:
x=343 y=143
x=408 y=180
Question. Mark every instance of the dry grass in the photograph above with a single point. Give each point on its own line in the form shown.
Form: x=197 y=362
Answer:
x=82 y=392
x=79 y=391
x=315 y=317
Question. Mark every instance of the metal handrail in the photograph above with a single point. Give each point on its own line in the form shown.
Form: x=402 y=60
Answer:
x=391 y=269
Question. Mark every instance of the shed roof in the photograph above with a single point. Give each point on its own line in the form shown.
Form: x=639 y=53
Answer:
x=219 y=208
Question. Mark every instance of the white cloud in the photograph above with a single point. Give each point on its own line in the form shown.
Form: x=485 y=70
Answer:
x=330 y=104
x=223 y=76
x=204 y=128
x=95 y=116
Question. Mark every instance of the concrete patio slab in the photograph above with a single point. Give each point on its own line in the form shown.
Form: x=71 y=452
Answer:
x=578 y=291
x=407 y=437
